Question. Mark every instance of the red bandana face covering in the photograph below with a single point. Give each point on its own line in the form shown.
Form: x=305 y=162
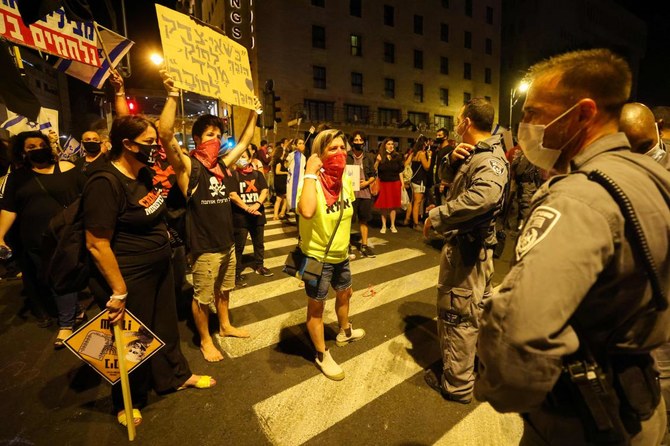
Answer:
x=331 y=176
x=208 y=153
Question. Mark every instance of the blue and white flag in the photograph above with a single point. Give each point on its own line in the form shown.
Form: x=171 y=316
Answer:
x=71 y=149
x=116 y=44
x=47 y=121
x=296 y=169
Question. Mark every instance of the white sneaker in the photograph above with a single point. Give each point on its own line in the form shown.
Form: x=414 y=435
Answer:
x=393 y=229
x=382 y=230
x=329 y=367
x=354 y=335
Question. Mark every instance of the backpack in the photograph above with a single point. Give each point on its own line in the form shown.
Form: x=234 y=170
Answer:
x=65 y=259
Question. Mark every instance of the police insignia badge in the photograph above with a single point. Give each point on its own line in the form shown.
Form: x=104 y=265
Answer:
x=542 y=220
x=497 y=167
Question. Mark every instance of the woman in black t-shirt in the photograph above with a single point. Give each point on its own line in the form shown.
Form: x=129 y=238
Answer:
x=35 y=192
x=389 y=166
x=280 y=175
x=128 y=240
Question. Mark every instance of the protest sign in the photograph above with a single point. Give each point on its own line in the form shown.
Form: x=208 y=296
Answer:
x=203 y=60
x=54 y=34
x=93 y=343
x=354 y=172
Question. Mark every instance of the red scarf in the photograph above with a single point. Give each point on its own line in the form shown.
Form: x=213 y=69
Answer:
x=247 y=169
x=208 y=154
x=331 y=177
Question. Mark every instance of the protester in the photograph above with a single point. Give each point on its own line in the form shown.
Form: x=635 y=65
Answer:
x=94 y=153
x=127 y=238
x=389 y=167
x=36 y=191
x=478 y=172
x=256 y=164
x=566 y=338
x=325 y=202
x=205 y=181
x=420 y=162
x=363 y=204
x=264 y=156
x=442 y=147
x=280 y=175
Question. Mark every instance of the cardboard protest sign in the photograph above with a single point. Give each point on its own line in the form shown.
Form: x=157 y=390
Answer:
x=203 y=60
x=94 y=343
x=354 y=172
x=54 y=34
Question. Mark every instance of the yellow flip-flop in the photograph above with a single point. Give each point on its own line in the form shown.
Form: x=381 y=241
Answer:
x=137 y=415
x=204 y=382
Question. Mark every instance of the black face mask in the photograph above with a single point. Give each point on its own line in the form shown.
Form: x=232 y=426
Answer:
x=92 y=147
x=147 y=153
x=357 y=147
x=439 y=141
x=40 y=156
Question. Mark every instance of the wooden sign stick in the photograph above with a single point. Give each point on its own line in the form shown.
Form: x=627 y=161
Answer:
x=125 y=383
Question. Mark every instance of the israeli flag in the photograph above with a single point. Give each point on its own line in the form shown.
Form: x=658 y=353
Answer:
x=47 y=121
x=71 y=149
x=296 y=169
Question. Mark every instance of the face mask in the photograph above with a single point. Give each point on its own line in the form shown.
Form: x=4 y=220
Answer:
x=92 y=147
x=391 y=150
x=334 y=165
x=357 y=147
x=531 y=138
x=40 y=156
x=439 y=141
x=657 y=153
x=242 y=163
x=147 y=153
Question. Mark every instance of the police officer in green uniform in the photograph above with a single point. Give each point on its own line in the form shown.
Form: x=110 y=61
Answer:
x=565 y=341
x=478 y=172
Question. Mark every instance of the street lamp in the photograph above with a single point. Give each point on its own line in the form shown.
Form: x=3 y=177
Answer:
x=521 y=88
x=156 y=59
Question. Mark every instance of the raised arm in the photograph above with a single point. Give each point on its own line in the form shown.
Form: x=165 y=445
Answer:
x=247 y=134
x=120 y=104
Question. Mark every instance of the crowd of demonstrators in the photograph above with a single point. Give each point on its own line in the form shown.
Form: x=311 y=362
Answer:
x=205 y=182
x=249 y=215
x=38 y=188
x=364 y=198
x=389 y=166
x=280 y=175
x=478 y=171
x=325 y=204
x=128 y=241
x=419 y=160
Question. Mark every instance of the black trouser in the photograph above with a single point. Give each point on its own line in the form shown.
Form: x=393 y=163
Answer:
x=257 y=239
x=151 y=299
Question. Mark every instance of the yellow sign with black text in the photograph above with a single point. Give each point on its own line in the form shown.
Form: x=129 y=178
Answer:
x=94 y=343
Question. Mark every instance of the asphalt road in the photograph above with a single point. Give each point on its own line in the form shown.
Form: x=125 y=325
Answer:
x=269 y=391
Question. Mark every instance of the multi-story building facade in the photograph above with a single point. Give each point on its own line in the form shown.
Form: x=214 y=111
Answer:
x=389 y=67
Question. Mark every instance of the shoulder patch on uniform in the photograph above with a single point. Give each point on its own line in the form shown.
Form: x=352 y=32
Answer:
x=497 y=167
x=541 y=222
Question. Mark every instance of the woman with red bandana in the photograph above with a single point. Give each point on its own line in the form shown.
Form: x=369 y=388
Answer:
x=325 y=197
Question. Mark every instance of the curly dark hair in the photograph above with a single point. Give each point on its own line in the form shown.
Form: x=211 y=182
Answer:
x=18 y=143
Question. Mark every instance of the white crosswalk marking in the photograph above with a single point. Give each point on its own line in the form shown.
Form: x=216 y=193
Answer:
x=292 y=230
x=488 y=427
x=268 y=332
x=274 y=244
x=301 y=412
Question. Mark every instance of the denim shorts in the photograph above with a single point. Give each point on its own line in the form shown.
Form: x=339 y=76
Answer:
x=337 y=275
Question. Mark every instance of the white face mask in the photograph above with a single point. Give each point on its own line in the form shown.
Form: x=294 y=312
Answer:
x=458 y=137
x=657 y=153
x=531 y=138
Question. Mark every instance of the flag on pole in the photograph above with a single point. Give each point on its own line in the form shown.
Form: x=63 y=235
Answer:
x=47 y=120
x=296 y=169
x=117 y=45
x=71 y=149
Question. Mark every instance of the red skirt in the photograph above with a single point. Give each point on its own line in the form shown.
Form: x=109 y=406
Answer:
x=389 y=195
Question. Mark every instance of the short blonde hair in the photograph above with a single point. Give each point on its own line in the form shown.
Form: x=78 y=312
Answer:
x=324 y=138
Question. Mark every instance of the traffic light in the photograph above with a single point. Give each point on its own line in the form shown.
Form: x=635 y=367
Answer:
x=270 y=109
x=132 y=106
x=275 y=109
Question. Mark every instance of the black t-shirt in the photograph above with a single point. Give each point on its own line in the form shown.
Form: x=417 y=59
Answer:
x=34 y=206
x=88 y=168
x=132 y=208
x=249 y=188
x=389 y=170
x=209 y=226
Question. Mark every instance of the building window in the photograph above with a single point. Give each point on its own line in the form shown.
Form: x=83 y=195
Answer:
x=319 y=110
x=320 y=3
x=444 y=65
x=443 y=122
x=356 y=113
x=444 y=96
x=444 y=32
x=445 y=3
x=418 y=92
x=466 y=97
x=389 y=52
x=389 y=88
x=487 y=75
x=467 y=40
x=318 y=36
x=418 y=24
x=355 y=8
x=356 y=45
x=319 y=74
x=356 y=82
x=418 y=59
x=467 y=71
x=389 y=19
x=488 y=46
x=417 y=118
x=489 y=15
x=468 y=8
x=388 y=116
x=488 y=98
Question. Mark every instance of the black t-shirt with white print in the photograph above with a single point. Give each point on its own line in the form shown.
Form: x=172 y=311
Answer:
x=249 y=187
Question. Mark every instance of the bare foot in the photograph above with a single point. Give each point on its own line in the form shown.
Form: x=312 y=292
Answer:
x=210 y=352
x=234 y=332
x=198 y=382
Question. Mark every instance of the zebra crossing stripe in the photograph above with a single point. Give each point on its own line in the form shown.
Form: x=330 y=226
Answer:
x=282 y=230
x=303 y=411
x=274 y=244
x=268 y=290
x=267 y=332
x=485 y=426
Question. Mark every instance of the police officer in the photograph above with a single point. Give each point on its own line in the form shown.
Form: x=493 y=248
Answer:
x=478 y=172
x=566 y=339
